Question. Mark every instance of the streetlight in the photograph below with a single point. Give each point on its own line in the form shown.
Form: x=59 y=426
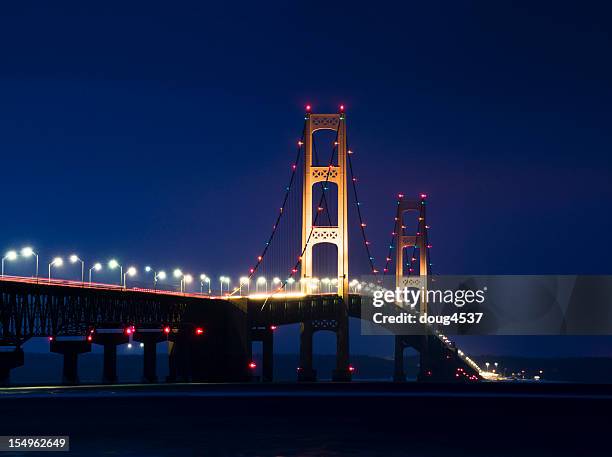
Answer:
x=327 y=282
x=161 y=275
x=131 y=271
x=10 y=255
x=487 y=364
x=57 y=262
x=334 y=282
x=261 y=280
x=224 y=279
x=245 y=280
x=276 y=281
x=112 y=264
x=314 y=283
x=204 y=279
x=178 y=274
x=186 y=280
x=29 y=252
x=291 y=281
x=74 y=259
x=96 y=266
x=148 y=269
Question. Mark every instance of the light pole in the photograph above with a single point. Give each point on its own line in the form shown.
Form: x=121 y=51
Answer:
x=224 y=279
x=276 y=281
x=327 y=282
x=314 y=284
x=74 y=259
x=261 y=280
x=291 y=281
x=161 y=275
x=487 y=365
x=178 y=274
x=112 y=264
x=186 y=280
x=245 y=281
x=29 y=252
x=10 y=255
x=204 y=279
x=148 y=269
x=96 y=266
x=57 y=262
x=131 y=271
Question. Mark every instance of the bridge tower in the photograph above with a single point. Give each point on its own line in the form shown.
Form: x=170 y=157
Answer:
x=317 y=234
x=402 y=241
x=419 y=239
x=336 y=174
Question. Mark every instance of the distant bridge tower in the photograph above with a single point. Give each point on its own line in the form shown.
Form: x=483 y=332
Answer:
x=419 y=239
x=337 y=235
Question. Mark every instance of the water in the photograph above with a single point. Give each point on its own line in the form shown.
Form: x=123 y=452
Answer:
x=360 y=419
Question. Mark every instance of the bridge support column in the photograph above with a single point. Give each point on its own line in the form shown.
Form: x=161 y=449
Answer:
x=150 y=338
x=305 y=371
x=110 y=341
x=342 y=373
x=9 y=360
x=399 y=375
x=266 y=336
x=178 y=359
x=70 y=350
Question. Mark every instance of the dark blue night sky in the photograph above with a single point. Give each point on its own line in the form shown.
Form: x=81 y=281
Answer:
x=162 y=133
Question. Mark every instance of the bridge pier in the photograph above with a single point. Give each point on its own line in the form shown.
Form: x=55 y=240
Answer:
x=266 y=336
x=70 y=350
x=178 y=359
x=399 y=375
x=8 y=360
x=306 y=373
x=110 y=341
x=342 y=373
x=150 y=338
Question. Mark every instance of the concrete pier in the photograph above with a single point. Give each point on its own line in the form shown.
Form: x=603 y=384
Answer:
x=70 y=350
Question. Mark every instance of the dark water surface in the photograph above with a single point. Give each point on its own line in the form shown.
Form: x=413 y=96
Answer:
x=324 y=419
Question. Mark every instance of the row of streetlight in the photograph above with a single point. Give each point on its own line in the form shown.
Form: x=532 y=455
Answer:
x=113 y=264
x=261 y=283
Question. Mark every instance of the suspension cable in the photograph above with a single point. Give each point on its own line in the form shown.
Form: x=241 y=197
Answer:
x=282 y=208
x=313 y=225
x=362 y=224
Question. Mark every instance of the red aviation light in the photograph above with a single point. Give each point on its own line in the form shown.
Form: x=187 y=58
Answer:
x=308 y=108
x=252 y=365
x=167 y=330
x=199 y=331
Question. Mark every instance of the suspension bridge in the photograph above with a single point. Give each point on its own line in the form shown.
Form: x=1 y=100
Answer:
x=210 y=335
